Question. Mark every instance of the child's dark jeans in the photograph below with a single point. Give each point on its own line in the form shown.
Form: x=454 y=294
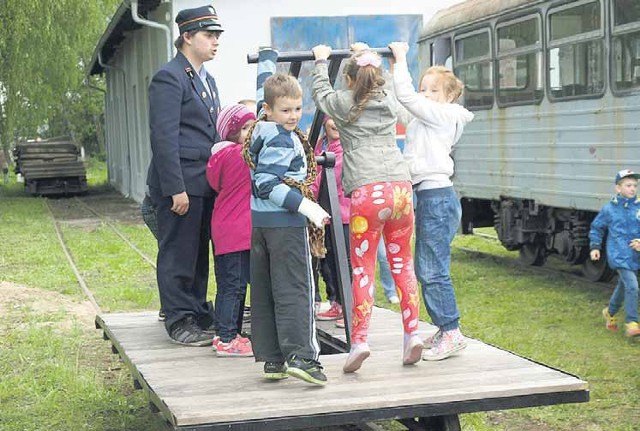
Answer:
x=232 y=276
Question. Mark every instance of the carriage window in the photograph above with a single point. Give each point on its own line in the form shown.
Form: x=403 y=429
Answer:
x=625 y=47
x=473 y=66
x=525 y=33
x=576 y=52
x=519 y=62
x=626 y=12
x=471 y=47
x=576 y=20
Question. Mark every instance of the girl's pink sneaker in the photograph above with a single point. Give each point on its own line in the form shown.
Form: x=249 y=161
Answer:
x=238 y=347
x=356 y=357
x=412 y=350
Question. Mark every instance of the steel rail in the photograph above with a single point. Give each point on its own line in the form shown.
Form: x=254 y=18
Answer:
x=104 y=220
x=74 y=268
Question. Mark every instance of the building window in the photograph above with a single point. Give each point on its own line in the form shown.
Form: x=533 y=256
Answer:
x=576 y=51
x=625 y=47
x=519 y=62
x=473 y=66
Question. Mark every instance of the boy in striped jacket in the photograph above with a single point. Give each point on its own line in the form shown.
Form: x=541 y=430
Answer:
x=282 y=289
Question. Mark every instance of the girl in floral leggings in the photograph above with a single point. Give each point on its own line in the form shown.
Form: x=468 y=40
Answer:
x=377 y=178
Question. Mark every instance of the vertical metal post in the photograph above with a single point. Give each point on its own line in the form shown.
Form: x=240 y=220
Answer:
x=328 y=199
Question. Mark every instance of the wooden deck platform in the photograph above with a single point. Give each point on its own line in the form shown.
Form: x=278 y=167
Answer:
x=195 y=390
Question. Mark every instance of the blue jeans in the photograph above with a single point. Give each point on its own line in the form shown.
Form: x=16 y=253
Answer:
x=626 y=291
x=438 y=216
x=386 y=279
x=232 y=277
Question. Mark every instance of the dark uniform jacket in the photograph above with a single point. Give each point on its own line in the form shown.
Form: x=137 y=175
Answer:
x=182 y=132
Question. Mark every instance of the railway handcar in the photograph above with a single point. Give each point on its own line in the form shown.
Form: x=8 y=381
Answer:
x=555 y=88
x=50 y=167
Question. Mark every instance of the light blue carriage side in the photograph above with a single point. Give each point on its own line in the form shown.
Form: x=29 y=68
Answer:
x=555 y=88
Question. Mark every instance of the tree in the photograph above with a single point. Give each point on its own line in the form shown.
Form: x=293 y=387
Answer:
x=45 y=47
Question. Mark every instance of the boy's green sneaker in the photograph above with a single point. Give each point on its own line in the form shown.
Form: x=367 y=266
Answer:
x=306 y=369
x=609 y=320
x=633 y=329
x=275 y=371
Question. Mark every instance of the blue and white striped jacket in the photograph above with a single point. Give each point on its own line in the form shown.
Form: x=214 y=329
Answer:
x=277 y=154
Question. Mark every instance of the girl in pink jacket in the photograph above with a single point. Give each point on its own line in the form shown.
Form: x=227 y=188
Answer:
x=229 y=177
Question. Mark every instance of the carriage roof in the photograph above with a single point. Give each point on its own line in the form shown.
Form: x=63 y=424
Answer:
x=469 y=12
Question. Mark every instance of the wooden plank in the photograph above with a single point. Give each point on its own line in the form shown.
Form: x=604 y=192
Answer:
x=189 y=410
x=193 y=388
x=464 y=384
x=138 y=378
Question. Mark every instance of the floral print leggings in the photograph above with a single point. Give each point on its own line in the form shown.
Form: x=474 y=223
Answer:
x=382 y=208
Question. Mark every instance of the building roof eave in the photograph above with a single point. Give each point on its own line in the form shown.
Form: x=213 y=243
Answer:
x=120 y=23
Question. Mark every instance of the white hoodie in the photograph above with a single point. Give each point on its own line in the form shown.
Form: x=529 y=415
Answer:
x=432 y=130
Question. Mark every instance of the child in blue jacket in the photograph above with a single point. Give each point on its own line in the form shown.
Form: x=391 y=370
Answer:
x=620 y=220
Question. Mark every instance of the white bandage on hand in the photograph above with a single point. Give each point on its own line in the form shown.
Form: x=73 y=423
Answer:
x=313 y=212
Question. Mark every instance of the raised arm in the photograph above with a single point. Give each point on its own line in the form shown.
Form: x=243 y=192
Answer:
x=426 y=110
x=267 y=58
x=325 y=97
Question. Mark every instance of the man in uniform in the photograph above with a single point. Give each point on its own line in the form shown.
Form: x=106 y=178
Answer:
x=183 y=108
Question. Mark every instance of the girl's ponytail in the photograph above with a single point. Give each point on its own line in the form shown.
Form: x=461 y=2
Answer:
x=363 y=69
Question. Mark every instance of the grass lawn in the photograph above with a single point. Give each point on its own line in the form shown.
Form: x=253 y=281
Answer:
x=58 y=374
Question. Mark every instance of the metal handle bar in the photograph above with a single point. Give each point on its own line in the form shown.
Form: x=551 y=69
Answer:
x=292 y=56
x=328 y=160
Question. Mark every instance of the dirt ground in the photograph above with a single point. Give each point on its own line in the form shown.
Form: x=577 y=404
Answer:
x=40 y=301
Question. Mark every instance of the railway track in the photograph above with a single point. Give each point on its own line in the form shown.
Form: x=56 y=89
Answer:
x=115 y=230
x=102 y=219
x=83 y=285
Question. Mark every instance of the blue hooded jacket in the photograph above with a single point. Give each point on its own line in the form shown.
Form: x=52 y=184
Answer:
x=620 y=220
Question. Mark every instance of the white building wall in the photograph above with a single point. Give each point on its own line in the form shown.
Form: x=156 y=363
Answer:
x=247 y=26
x=127 y=106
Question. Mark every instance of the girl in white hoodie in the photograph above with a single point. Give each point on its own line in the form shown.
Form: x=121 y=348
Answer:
x=434 y=125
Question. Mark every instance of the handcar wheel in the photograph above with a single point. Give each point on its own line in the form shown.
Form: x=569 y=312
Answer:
x=533 y=254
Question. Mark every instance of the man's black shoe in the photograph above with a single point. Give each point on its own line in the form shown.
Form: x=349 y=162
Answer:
x=275 y=371
x=210 y=330
x=187 y=333
x=306 y=369
x=161 y=316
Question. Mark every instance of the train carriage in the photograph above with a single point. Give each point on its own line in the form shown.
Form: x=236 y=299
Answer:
x=555 y=87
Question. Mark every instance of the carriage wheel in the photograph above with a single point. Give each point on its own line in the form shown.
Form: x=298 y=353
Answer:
x=533 y=254
x=597 y=270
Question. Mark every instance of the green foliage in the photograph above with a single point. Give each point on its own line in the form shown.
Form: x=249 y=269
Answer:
x=96 y=172
x=45 y=47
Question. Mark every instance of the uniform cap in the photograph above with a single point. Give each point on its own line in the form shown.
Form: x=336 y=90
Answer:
x=199 y=18
x=626 y=173
x=231 y=119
